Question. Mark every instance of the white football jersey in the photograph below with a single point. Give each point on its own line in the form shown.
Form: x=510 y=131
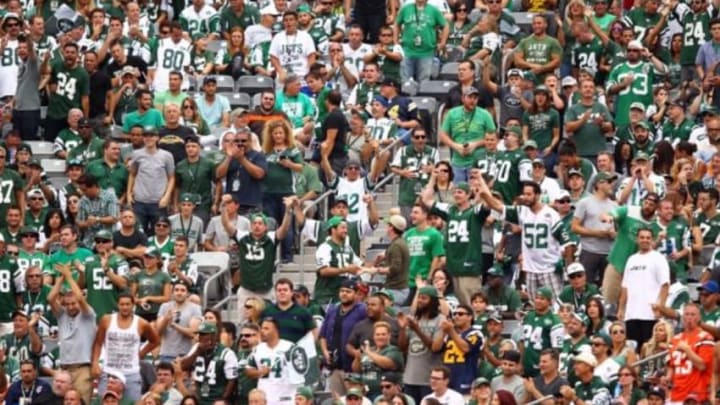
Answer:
x=171 y=56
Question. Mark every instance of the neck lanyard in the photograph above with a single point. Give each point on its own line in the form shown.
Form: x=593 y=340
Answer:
x=27 y=396
x=469 y=121
x=30 y=300
x=417 y=18
x=182 y=226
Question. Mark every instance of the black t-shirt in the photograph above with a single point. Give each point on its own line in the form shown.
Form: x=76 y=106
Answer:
x=549 y=389
x=173 y=141
x=99 y=86
x=336 y=120
x=133 y=61
x=368 y=7
x=131 y=241
x=455 y=97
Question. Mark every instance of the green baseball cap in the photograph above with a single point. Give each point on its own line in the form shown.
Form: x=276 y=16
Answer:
x=462 y=186
x=354 y=392
x=103 y=234
x=387 y=293
x=428 y=290
x=528 y=75
x=530 y=144
x=207 y=328
x=305 y=392
x=641 y=156
x=581 y=317
x=187 y=197
x=496 y=270
x=152 y=251
x=514 y=129
x=480 y=381
x=605 y=338
x=28 y=230
x=642 y=124
x=75 y=162
x=353 y=378
x=606 y=176
x=545 y=292
x=335 y=221
x=637 y=106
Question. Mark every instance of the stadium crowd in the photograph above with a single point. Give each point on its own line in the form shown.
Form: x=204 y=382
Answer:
x=566 y=251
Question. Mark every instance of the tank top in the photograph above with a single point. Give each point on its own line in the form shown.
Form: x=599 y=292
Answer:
x=122 y=347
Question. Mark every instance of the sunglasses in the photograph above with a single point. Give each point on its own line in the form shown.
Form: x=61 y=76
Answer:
x=34 y=275
x=240 y=141
x=576 y=275
x=624 y=375
x=12 y=25
x=101 y=241
x=419 y=137
x=164 y=32
x=13 y=253
x=618 y=332
x=597 y=344
x=28 y=235
x=444 y=170
x=188 y=107
x=564 y=201
x=462 y=10
x=36 y=198
x=161 y=225
x=385 y=35
x=386 y=386
x=249 y=306
x=247 y=335
x=460 y=313
x=150 y=257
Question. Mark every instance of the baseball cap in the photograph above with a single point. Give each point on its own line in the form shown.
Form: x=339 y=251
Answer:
x=574 y=172
x=340 y=199
x=514 y=72
x=514 y=129
x=35 y=192
x=353 y=163
x=641 y=156
x=103 y=234
x=568 y=81
x=637 y=106
x=428 y=290
x=541 y=89
x=392 y=377
x=187 y=197
x=386 y=293
x=528 y=75
x=259 y=215
x=539 y=162
x=83 y=122
x=496 y=270
x=381 y=100
x=353 y=378
x=545 y=292
x=479 y=382
x=642 y=124
x=75 y=163
x=389 y=81
x=606 y=176
x=530 y=144
x=575 y=268
x=34 y=163
x=711 y=287
x=111 y=372
x=586 y=358
x=129 y=70
x=462 y=186
x=28 y=230
x=305 y=392
x=149 y=129
x=354 y=392
x=207 y=328
x=19 y=312
x=470 y=91
x=635 y=44
x=349 y=283
x=335 y=221
x=152 y=251
x=605 y=338
x=581 y=317
x=561 y=194
x=398 y=222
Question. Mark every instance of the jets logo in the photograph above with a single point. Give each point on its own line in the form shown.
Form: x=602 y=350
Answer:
x=299 y=359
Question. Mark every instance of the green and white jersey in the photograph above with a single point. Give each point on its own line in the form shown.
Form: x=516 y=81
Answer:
x=587 y=55
x=540 y=332
x=317 y=232
x=44 y=45
x=463 y=234
x=639 y=191
x=696 y=30
x=330 y=254
x=677 y=238
x=71 y=86
x=570 y=350
x=639 y=91
x=391 y=68
x=8 y=273
x=353 y=191
x=504 y=166
x=37 y=302
x=320 y=38
x=676 y=133
x=711 y=317
x=277 y=360
x=66 y=140
x=257 y=261
x=18 y=348
x=542 y=234
x=628 y=219
x=641 y=22
x=188 y=268
x=709 y=226
x=260 y=56
x=408 y=158
x=356 y=56
x=166 y=248
x=102 y=294
x=198 y=60
x=213 y=372
x=199 y=23
x=381 y=129
x=9 y=67
x=169 y=56
x=330 y=23
x=594 y=392
x=24 y=261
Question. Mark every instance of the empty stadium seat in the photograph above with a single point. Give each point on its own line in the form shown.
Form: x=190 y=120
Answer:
x=238 y=100
x=448 y=71
x=255 y=101
x=41 y=149
x=254 y=84
x=410 y=87
x=209 y=264
x=53 y=167
x=436 y=88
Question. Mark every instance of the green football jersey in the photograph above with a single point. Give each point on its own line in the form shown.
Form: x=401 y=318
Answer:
x=639 y=91
x=677 y=238
x=167 y=248
x=507 y=174
x=102 y=294
x=712 y=317
x=710 y=227
x=408 y=158
x=72 y=85
x=593 y=392
x=213 y=372
x=37 y=259
x=38 y=302
x=10 y=184
x=18 y=348
x=570 y=350
x=196 y=178
x=381 y=129
x=320 y=38
x=696 y=30
x=640 y=21
x=390 y=68
x=249 y=16
x=149 y=285
x=587 y=55
x=463 y=235
x=8 y=274
x=578 y=299
x=257 y=262
x=675 y=133
x=540 y=332
x=330 y=254
x=628 y=220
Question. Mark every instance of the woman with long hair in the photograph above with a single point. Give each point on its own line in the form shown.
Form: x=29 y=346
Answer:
x=627 y=389
x=252 y=309
x=50 y=232
x=574 y=13
x=442 y=182
x=595 y=311
x=658 y=343
x=191 y=117
x=674 y=76
x=284 y=162
x=541 y=122
x=664 y=158
x=460 y=25
x=621 y=351
x=231 y=60
x=72 y=207
x=623 y=157
x=657 y=111
x=201 y=60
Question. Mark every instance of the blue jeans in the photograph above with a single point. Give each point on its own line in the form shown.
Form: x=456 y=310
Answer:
x=273 y=207
x=418 y=69
x=460 y=174
x=147 y=214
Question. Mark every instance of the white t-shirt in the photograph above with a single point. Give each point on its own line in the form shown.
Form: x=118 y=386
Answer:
x=9 y=65
x=644 y=275
x=450 y=397
x=356 y=56
x=293 y=51
x=607 y=370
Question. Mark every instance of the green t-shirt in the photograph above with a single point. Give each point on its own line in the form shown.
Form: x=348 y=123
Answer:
x=150 y=118
x=149 y=285
x=279 y=179
x=295 y=107
x=628 y=220
x=372 y=373
x=568 y=295
x=72 y=85
x=114 y=178
x=464 y=127
x=639 y=91
x=65 y=258
x=539 y=50
x=423 y=245
x=589 y=138
x=419 y=29
x=540 y=332
x=540 y=126
x=196 y=178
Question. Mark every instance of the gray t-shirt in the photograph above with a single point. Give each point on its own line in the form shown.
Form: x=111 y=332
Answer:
x=514 y=385
x=420 y=359
x=173 y=342
x=27 y=97
x=76 y=336
x=588 y=211
x=191 y=229
x=152 y=174
x=551 y=388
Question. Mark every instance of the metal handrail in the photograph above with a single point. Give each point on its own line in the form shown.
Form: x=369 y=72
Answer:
x=541 y=400
x=209 y=281
x=650 y=358
x=391 y=146
x=322 y=198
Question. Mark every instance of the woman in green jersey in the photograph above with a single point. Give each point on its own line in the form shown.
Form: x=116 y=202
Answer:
x=150 y=286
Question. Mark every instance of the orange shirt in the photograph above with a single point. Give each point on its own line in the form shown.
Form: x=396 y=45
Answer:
x=686 y=378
